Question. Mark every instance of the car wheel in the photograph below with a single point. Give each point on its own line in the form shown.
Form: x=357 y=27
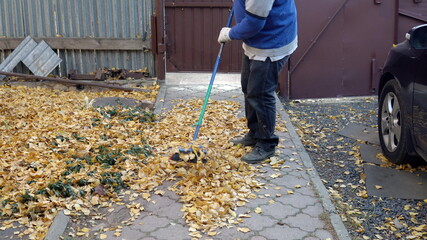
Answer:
x=392 y=124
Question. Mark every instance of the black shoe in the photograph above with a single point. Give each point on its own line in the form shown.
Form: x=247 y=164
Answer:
x=245 y=140
x=257 y=155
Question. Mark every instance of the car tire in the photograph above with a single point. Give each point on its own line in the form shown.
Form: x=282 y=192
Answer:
x=393 y=127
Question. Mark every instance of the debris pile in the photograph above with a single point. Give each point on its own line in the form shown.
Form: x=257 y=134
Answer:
x=58 y=152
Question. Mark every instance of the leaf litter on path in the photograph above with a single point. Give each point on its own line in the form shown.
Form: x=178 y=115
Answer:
x=59 y=153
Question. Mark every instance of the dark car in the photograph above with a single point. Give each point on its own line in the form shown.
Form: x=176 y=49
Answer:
x=402 y=115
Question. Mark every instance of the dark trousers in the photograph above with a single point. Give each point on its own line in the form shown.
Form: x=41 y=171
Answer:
x=259 y=83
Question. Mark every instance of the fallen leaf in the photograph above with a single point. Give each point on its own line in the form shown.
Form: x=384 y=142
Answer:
x=244 y=230
x=276 y=175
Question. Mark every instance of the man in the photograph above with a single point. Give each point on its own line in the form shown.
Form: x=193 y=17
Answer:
x=268 y=29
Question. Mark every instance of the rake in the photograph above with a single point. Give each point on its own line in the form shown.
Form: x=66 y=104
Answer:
x=200 y=153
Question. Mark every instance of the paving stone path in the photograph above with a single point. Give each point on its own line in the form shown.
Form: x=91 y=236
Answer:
x=300 y=216
x=305 y=214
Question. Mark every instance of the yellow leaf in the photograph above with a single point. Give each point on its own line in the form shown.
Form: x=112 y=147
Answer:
x=420 y=228
x=276 y=175
x=244 y=230
x=85 y=211
x=160 y=192
x=146 y=196
x=362 y=194
x=192 y=209
x=102 y=236
x=95 y=200
x=378 y=187
x=290 y=192
x=258 y=210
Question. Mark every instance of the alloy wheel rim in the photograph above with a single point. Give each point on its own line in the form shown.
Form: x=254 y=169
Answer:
x=391 y=124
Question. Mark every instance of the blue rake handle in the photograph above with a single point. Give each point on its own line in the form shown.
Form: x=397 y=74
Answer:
x=208 y=92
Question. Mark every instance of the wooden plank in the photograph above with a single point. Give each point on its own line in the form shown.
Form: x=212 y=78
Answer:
x=72 y=82
x=21 y=51
x=198 y=4
x=82 y=43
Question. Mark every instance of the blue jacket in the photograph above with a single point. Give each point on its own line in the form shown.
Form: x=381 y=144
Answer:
x=266 y=24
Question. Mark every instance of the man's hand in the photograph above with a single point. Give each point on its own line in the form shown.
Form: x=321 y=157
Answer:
x=224 y=35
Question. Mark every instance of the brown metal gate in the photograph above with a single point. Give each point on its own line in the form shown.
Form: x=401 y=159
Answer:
x=411 y=13
x=192 y=29
x=341 y=48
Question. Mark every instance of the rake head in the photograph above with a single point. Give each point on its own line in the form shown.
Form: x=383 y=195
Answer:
x=191 y=155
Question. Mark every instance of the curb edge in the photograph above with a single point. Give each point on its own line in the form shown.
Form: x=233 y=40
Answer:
x=58 y=226
x=336 y=221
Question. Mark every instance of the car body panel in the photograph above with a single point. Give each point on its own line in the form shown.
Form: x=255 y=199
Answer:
x=407 y=64
x=420 y=104
x=400 y=66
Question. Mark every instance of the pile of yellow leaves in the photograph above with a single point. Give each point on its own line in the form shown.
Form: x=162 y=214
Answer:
x=57 y=152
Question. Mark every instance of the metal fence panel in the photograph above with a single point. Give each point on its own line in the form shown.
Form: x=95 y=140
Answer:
x=117 y=19
x=411 y=14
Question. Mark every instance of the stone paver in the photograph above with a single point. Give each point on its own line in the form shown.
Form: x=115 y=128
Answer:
x=298 y=200
x=258 y=238
x=283 y=232
x=323 y=234
x=304 y=222
x=232 y=234
x=299 y=214
x=172 y=231
x=129 y=233
x=151 y=223
x=164 y=207
x=258 y=222
x=314 y=210
x=279 y=211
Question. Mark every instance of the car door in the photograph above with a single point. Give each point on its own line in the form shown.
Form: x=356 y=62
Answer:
x=420 y=104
